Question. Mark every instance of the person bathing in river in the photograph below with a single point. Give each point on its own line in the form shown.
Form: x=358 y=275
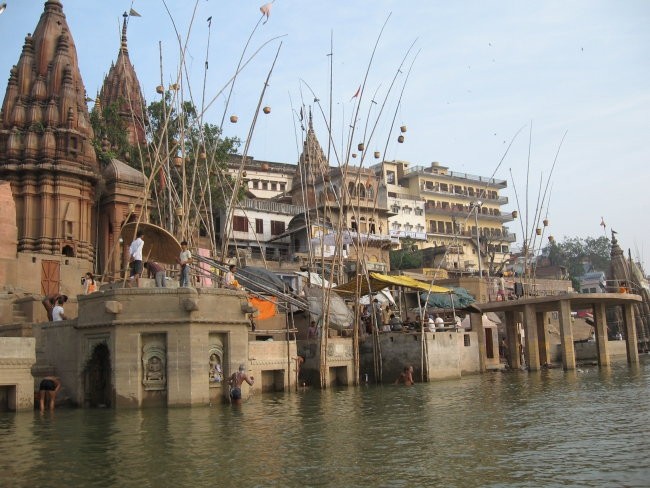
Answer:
x=235 y=381
x=406 y=377
x=48 y=388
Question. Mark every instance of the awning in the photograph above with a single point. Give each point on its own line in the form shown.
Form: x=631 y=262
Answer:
x=159 y=245
x=379 y=281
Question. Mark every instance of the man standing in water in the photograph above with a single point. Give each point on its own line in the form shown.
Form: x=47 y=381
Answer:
x=406 y=377
x=235 y=381
x=49 y=387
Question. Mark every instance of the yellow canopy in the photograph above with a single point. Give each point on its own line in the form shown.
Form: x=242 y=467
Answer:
x=379 y=281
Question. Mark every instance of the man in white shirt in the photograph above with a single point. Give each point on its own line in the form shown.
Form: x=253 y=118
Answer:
x=57 y=312
x=185 y=259
x=135 y=253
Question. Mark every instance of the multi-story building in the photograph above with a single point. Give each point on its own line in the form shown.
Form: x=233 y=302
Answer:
x=405 y=211
x=451 y=206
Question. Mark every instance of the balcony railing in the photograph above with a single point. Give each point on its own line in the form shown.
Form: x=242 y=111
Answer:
x=501 y=200
x=427 y=170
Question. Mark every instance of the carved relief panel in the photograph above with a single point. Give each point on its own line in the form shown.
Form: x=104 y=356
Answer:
x=154 y=362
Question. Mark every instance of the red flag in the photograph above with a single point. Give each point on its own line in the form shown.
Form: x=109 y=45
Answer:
x=356 y=94
x=266 y=11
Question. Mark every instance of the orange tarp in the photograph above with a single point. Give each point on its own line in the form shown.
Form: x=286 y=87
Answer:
x=267 y=308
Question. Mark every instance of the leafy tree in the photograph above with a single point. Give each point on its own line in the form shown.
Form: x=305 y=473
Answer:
x=580 y=255
x=108 y=125
x=406 y=258
x=173 y=130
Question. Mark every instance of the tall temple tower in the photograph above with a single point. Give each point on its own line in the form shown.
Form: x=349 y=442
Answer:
x=312 y=169
x=124 y=195
x=46 y=154
x=121 y=87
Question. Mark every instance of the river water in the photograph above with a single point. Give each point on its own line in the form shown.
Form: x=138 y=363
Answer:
x=584 y=428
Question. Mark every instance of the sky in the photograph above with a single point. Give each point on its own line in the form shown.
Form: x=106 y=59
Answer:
x=490 y=88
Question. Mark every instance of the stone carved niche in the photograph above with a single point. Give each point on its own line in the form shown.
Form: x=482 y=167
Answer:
x=215 y=365
x=154 y=366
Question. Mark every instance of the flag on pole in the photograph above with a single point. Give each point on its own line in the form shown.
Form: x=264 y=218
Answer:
x=133 y=13
x=266 y=11
x=356 y=94
x=602 y=222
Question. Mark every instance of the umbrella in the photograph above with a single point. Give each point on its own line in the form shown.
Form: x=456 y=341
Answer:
x=159 y=245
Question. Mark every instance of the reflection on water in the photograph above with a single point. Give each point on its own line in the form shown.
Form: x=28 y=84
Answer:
x=500 y=429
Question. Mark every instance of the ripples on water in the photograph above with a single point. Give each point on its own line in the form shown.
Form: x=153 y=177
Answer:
x=498 y=429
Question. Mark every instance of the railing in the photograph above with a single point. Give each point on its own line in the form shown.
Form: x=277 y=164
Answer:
x=501 y=200
x=454 y=174
x=268 y=206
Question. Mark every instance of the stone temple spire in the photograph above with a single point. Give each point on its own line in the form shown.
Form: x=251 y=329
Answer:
x=46 y=147
x=122 y=88
x=313 y=167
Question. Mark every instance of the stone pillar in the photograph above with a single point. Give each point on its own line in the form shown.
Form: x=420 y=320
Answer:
x=566 y=336
x=630 y=334
x=532 y=347
x=542 y=338
x=600 y=319
x=513 y=341
x=476 y=322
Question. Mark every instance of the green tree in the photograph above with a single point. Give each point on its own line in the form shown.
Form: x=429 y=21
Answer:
x=409 y=257
x=579 y=255
x=108 y=125
x=193 y=156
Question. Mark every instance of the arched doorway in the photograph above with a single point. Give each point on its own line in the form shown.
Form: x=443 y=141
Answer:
x=98 y=391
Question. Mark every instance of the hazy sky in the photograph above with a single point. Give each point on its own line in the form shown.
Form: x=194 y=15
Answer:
x=483 y=70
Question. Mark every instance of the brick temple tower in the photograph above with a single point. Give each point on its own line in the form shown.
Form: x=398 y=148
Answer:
x=121 y=87
x=313 y=168
x=46 y=154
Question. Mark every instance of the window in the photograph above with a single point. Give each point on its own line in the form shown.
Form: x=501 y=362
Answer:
x=259 y=226
x=390 y=177
x=240 y=223
x=265 y=185
x=466 y=340
x=277 y=227
x=274 y=186
x=395 y=209
x=283 y=186
x=418 y=211
x=370 y=192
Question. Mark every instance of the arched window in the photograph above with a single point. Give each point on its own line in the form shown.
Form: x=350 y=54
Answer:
x=370 y=191
x=68 y=251
x=362 y=191
x=352 y=189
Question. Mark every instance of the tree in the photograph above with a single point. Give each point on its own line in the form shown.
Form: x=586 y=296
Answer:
x=406 y=258
x=580 y=255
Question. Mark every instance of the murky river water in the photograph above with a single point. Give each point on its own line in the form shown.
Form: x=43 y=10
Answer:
x=587 y=428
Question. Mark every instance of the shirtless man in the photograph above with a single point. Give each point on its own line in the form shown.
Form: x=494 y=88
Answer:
x=406 y=377
x=49 y=387
x=235 y=381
